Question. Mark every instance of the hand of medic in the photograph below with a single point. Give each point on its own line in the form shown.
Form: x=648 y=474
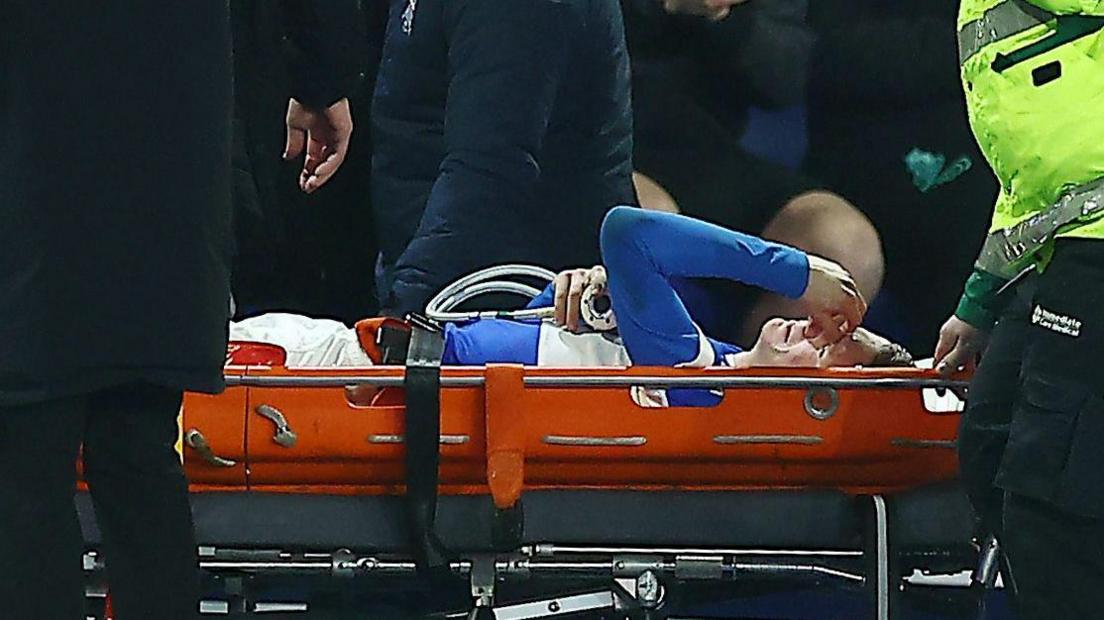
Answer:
x=715 y=10
x=836 y=307
x=569 y=287
x=324 y=134
x=959 y=346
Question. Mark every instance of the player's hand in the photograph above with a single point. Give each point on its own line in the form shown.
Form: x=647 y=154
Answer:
x=836 y=306
x=714 y=10
x=324 y=134
x=959 y=346
x=569 y=287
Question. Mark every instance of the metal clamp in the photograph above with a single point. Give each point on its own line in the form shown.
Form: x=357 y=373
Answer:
x=196 y=441
x=820 y=410
x=284 y=435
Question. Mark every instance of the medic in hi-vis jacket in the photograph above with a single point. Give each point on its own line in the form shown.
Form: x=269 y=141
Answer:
x=1030 y=446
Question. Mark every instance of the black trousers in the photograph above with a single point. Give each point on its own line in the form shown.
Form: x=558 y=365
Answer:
x=140 y=496
x=1031 y=445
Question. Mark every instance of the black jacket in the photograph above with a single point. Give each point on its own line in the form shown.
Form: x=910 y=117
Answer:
x=502 y=132
x=114 y=193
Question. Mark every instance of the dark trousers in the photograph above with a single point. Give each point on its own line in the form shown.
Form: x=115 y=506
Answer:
x=138 y=490
x=1031 y=445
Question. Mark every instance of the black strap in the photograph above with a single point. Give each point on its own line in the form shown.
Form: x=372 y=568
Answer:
x=422 y=437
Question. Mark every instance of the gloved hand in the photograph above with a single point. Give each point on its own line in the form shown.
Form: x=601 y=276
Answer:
x=714 y=10
x=569 y=287
x=959 y=346
x=836 y=305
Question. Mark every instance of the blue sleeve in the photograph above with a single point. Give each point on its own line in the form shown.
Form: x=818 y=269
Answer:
x=506 y=61
x=546 y=299
x=644 y=251
x=491 y=341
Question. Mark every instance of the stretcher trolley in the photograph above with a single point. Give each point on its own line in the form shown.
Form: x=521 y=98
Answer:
x=504 y=476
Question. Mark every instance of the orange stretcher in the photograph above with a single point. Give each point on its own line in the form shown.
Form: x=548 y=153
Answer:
x=507 y=429
x=798 y=473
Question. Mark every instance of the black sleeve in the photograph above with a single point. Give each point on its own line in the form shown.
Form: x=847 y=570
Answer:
x=329 y=48
x=506 y=61
x=886 y=59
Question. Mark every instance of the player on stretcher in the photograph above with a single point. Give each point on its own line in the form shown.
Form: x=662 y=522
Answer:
x=650 y=262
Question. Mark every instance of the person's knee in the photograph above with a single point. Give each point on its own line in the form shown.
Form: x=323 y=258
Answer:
x=825 y=224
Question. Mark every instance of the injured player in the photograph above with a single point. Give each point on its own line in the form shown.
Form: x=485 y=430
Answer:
x=651 y=262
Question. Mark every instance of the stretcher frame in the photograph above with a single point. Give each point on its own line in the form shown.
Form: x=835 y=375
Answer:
x=639 y=575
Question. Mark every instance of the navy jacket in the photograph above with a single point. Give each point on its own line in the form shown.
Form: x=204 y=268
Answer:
x=502 y=132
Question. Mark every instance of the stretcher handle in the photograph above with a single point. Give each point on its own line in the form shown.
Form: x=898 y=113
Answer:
x=610 y=381
x=196 y=441
x=284 y=435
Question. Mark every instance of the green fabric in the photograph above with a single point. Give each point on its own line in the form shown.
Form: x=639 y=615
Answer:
x=980 y=306
x=1039 y=140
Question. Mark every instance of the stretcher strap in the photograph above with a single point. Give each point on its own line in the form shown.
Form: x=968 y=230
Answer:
x=422 y=436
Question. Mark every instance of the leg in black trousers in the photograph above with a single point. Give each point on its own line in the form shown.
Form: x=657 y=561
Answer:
x=141 y=499
x=1055 y=562
x=1053 y=460
x=985 y=424
x=40 y=538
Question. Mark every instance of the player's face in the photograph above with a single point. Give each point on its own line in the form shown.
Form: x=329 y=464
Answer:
x=782 y=343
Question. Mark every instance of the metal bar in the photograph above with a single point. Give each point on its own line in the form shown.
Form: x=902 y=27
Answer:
x=265 y=566
x=790 y=569
x=593 y=442
x=611 y=381
x=597 y=568
x=908 y=442
x=882 y=524
x=800 y=440
x=744 y=382
x=446 y=440
x=340 y=381
x=548 y=549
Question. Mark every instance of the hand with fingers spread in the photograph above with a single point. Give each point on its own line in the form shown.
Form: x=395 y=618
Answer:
x=569 y=287
x=959 y=346
x=836 y=305
x=324 y=134
x=714 y=10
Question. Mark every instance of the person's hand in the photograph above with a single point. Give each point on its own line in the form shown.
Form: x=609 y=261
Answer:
x=959 y=346
x=714 y=10
x=835 y=304
x=569 y=287
x=324 y=134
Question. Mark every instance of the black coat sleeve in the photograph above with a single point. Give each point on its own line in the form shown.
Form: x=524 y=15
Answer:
x=506 y=61
x=328 y=48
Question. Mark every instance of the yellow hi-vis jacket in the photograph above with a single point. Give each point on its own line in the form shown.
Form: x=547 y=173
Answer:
x=1033 y=74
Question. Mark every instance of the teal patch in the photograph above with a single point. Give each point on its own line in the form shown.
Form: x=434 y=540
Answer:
x=930 y=170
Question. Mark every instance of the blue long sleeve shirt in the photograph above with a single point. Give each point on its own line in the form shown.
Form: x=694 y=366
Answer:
x=649 y=257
